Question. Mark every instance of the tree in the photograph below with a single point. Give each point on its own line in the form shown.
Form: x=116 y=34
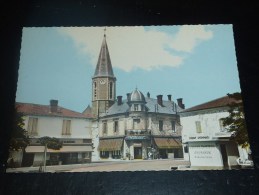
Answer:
x=49 y=143
x=19 y=136
x=235 y=122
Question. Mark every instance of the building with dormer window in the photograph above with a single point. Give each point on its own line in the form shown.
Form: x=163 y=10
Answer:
x=136 y=127
x=140 y=127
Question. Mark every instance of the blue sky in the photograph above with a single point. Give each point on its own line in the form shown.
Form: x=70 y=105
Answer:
x=193 y=62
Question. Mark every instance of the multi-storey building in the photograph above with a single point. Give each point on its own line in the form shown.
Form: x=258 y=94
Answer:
x=70 y=127
x=136 y=128
x=206 y=141
x=140 y=128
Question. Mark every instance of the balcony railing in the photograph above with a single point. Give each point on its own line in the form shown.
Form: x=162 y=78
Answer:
x=137 y=132
x=166 y=133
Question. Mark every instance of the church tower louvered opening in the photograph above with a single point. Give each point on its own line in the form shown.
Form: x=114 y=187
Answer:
x=103 y=82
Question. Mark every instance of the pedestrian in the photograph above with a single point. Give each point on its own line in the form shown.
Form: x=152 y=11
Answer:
x=40 y=168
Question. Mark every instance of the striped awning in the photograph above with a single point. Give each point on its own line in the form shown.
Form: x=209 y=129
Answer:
x=166 y=143
x=64 y=149
x=110 y=144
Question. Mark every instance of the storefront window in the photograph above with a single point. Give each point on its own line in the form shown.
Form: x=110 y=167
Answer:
x=116 y=154
x=104 y=154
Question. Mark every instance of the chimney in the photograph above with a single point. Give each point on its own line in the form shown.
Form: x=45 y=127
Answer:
x=169 y=97
x=180 y=103
x=128 y=96
x=53 y=105
x=119 y=98
x=160 y=100
x=148 y=94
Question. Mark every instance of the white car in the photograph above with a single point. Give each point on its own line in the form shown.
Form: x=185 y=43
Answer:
x=245 y=162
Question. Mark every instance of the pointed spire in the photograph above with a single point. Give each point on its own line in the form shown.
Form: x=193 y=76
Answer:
x=104 y=65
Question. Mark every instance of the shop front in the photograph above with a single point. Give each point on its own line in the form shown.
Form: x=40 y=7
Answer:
x=168 y=147
x=136 y=147
x=34 y=155
x=110 y=148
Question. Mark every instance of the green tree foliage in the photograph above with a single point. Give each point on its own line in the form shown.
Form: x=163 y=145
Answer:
x=235 y=122
x=19 y=136
x=50 y=142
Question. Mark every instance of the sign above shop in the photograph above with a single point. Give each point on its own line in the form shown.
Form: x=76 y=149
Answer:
x=137 y=137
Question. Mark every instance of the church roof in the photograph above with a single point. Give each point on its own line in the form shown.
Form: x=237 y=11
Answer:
x=104 y=65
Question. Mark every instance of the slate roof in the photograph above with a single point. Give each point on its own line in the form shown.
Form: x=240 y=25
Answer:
x=104 y=65
x=137 y=96
x=217 y=103
x=169 y=107
x=44 y=110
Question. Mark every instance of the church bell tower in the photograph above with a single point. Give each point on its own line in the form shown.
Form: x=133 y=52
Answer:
x=103 y=82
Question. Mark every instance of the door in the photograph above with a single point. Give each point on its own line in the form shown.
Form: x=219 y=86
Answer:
x=137 y=152
x=162 y=153
x=224 y=155
x=69 y=158
x=27 y=159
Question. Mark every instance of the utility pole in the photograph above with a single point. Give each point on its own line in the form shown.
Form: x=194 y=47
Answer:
x=45 y=156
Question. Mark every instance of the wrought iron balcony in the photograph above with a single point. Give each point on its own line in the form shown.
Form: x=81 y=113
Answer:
x=135 y=132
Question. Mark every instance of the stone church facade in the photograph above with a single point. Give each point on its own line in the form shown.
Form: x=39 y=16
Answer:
x=136 y=127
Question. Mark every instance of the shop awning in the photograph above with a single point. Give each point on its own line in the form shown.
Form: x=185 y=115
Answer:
x=110 y=144
x=64 y=149
x=166 y=143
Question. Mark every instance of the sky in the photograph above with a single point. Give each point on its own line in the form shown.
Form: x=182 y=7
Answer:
x=193 y=62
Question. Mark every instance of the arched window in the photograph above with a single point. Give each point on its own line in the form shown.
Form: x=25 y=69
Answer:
x=95 y=89
x=111 y=89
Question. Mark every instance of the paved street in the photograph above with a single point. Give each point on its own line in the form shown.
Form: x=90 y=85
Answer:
x=135 y=165
x=119 y=165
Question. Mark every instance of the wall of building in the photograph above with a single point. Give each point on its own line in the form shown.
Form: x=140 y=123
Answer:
x=205 y=154
x=95 y=140
x=52 y=126
x=209 y=124
x=211 y=131
x=153 y=124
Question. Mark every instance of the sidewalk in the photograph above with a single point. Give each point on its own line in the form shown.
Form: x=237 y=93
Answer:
x=54 y=168
x=63 y=168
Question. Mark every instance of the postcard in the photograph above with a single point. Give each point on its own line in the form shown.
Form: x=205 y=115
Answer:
x=128 y=99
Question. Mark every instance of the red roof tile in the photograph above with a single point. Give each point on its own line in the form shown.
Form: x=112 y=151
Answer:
x=44 y=110
x=220 y=102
